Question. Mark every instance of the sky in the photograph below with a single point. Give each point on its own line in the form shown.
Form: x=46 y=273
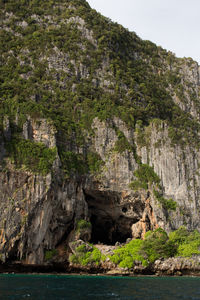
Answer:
x=172 y=24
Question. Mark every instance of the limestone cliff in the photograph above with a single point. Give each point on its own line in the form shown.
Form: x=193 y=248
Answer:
x=85 y=106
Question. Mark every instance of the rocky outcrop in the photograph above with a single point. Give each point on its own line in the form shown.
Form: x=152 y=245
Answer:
x=177 y=266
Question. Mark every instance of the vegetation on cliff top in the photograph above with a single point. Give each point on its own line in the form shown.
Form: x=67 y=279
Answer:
x=64 y=61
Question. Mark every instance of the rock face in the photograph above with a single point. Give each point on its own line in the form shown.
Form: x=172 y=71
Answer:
x=40 y=212
x=177 y=266
x=105 y=103
x=178 y=170
x=36 y=214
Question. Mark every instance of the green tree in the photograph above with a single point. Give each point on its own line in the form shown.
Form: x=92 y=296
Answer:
x=157 y=245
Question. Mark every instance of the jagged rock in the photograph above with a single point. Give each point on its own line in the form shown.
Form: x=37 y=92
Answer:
x=177 y=266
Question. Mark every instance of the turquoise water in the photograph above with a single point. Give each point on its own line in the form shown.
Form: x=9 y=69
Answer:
x=52 y=287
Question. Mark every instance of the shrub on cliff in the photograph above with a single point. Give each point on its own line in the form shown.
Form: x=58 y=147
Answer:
x=168 y=204
x=179 y=236
x=126 y=256
x=84 y=257
x=189 y=249
x=145 y=175
x=187 y=243
x=49 y=254
x=157 y=245
x=83 y=224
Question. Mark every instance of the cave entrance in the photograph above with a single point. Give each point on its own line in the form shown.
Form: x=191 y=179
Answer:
x=109 y=224
x=108 y=231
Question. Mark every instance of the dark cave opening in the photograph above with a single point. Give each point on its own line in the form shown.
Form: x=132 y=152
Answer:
x=109 y=225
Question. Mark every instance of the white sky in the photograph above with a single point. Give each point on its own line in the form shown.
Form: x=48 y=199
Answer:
x=172 y=24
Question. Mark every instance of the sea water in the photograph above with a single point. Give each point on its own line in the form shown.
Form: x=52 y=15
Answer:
x=51 y=287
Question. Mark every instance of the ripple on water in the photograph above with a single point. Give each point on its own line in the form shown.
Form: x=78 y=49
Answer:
x=50 y=287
